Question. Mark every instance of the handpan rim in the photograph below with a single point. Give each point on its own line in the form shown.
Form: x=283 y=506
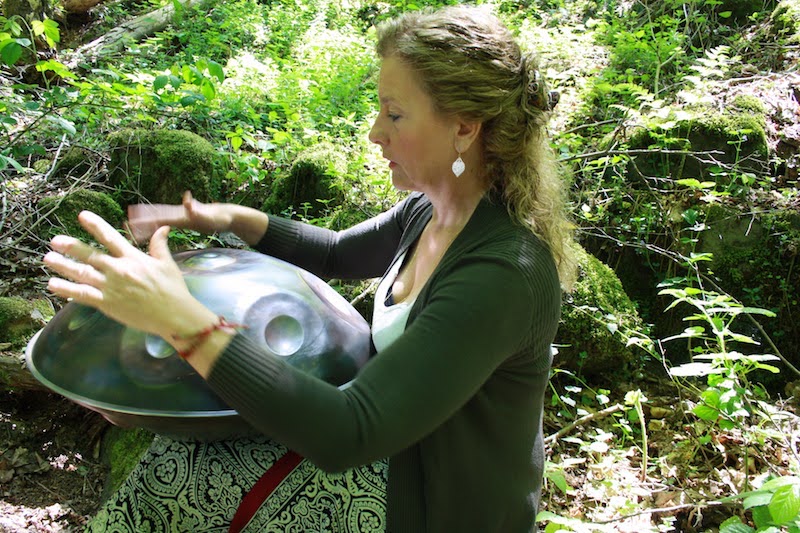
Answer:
x=105 y=406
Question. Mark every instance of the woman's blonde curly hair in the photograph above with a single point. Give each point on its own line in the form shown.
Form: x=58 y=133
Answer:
x=472 y=67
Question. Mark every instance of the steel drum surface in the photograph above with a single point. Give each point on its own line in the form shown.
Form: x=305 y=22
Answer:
x=137 y=380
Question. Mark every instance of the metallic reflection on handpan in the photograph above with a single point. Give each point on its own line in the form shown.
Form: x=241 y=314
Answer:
x=136 y=379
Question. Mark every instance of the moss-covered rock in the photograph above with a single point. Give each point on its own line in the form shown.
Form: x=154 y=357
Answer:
x=20 y=319
x=315 y=179
x=61 y=212
x=736 y=136
x=750 y=104
x=597 y=320
x=121 y=450
x=76 y=161
x=27 y=9
x=756 y=261
x=786 y=20
x=159 y=165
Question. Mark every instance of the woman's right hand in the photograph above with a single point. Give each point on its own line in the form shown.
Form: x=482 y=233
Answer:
x=145 y=219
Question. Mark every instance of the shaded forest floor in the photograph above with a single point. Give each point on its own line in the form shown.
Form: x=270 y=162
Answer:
x=52 y=474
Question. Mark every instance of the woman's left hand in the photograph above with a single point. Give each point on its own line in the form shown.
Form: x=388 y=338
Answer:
x=146 y=292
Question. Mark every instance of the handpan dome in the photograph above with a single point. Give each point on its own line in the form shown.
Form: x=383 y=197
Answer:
x=136 y=379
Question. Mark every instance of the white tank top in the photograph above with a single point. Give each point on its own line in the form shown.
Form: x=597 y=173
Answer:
x=389 y=321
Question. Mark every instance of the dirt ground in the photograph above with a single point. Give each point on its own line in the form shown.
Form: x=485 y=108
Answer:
x=51 y=473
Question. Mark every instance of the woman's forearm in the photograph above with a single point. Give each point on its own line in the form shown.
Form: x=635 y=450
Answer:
x=247 y=223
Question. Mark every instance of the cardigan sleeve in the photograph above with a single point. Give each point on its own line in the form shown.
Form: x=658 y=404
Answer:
x=362 y=251
x=477 y=317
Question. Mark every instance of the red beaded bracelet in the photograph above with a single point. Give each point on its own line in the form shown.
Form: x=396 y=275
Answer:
x=199 y=337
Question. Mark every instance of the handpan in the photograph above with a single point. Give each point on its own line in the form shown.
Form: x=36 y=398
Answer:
x=136 y=379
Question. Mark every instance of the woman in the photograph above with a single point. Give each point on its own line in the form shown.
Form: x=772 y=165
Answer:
x=472 y=263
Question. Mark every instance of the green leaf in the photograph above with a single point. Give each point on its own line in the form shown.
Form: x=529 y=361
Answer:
x=734 y=525
x=689 y=182
x=65 y=124
x=13 y=27
x=705 y=256
x=191 y=99
x=51 y=65
x=693 y=370
x=756 y=499
x=561 y=521
x=6 y=161
x=758 y=311
x=216 y=70
x=208 y=90
x=704 y=412
x=558 y=479
x=726 y=14
x=761 y=516
x=10 y=53
x=160 y=82
x=38 y=27
x=782 y=481
x=785 y=504
x=51 y=31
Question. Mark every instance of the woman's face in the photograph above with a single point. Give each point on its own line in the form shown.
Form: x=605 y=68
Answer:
x=418 y=142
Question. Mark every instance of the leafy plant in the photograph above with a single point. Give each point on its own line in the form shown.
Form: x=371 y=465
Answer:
x=726 y=400
x=15 y=39
x=775 y=505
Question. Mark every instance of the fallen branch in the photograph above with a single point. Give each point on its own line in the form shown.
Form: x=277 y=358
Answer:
x=658 y=510
x=133 y=30
x=14 y=374
x=582 y=420
x=604 y=153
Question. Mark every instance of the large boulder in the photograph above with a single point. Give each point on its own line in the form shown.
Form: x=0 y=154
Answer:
x=21 y=318
x=159 y=165
x=598 y=320
x=121 y=450
x=736 y=136
x=61 y=212
x=755 y=259
x=314 y=181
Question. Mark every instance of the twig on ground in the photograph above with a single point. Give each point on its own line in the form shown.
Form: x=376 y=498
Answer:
x=582 y=420
x=662 y=510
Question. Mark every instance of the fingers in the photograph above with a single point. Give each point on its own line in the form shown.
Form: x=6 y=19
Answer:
x=105 y=233
x=79 y=272
x=80 y=251
x=81 y=293
x=159 y=247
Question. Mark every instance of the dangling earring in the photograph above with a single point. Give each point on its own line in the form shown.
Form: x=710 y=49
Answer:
x=458 y=165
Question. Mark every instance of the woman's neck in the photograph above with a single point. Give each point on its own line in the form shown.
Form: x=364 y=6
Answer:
x=453 y=206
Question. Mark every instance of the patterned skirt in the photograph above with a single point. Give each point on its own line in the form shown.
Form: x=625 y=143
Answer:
x=198 y=486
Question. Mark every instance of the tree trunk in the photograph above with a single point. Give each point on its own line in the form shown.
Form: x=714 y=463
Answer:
x=79 y=6
x=132 y=31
